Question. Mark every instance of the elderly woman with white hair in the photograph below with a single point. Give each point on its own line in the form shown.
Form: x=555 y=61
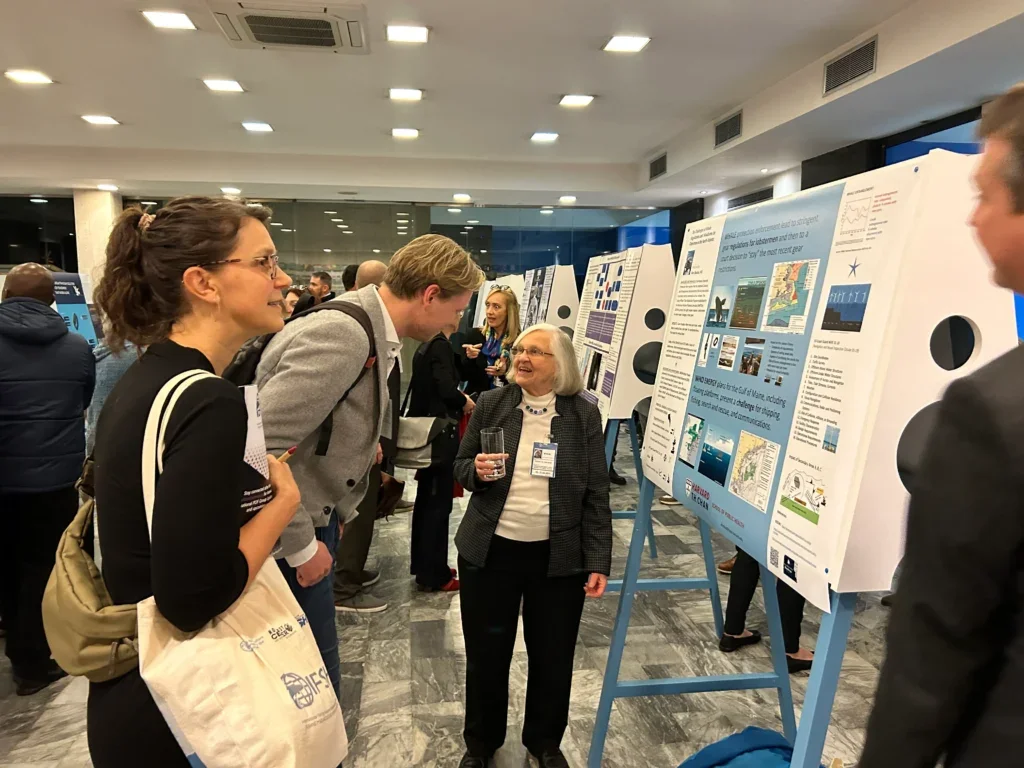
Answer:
x=539 y=536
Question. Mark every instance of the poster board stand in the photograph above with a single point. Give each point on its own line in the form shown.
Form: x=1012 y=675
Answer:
x=803 y=347
x=611 y=438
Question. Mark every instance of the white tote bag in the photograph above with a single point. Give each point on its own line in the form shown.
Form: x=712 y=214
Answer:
x=250 y=689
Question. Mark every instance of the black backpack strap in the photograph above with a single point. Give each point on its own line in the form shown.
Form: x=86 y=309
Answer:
x=358 y=314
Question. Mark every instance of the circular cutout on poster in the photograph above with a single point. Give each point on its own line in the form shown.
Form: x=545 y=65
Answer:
x=654 y=319
x=913 y=441
x=954 y=342
x=645 y=361
x=564 y=312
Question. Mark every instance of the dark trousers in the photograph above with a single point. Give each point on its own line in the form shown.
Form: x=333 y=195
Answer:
x=31 y=525
x=433 y=508
x=742 y=583
x=355 y=542
x=318 y=604
x=516 y=572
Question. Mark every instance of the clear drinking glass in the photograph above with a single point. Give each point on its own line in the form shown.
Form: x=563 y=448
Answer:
x=492 y=440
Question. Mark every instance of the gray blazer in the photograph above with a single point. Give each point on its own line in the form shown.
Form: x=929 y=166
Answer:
x=302 y=375
x=581 y=517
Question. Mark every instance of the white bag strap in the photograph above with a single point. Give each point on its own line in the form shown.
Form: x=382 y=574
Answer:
x=156 y=429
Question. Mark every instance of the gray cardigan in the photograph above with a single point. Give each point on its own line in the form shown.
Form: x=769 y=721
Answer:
x=581 y=517
x=302 y=375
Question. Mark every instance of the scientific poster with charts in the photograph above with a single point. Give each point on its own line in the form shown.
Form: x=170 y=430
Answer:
x=773 y=343
x=601 y=323
x=533 y=305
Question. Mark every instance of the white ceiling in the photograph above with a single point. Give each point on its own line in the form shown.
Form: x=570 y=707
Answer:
x=492 y=72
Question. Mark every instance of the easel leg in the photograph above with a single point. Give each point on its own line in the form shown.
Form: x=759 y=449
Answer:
x=709 y=566
x=821 y=689
x=771 y=605
x=638 y=464
x=611 y=672
x=610 y=438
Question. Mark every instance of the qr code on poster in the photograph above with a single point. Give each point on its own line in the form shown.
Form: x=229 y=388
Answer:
x=773 y=556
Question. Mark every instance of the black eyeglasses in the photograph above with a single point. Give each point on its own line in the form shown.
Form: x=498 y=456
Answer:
x=531 y=352
x=501 y=288
x=268 y=264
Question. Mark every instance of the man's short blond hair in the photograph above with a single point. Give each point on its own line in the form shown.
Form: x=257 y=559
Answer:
x=432 y=260
x=1004 y=119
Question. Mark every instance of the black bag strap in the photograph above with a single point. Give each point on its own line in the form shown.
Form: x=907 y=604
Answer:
x=358 y=314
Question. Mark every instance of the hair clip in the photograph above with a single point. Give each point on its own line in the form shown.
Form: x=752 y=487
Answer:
x=145 y=220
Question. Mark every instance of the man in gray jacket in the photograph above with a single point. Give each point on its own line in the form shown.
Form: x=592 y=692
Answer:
x=303 y=376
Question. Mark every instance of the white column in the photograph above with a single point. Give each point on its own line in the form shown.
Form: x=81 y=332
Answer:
x=95 y=213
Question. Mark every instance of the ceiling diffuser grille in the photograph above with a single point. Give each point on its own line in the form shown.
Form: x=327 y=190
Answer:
x=750 y=199
x=281 y=30
x=292 y=24
x=729 y=129
x=852 y=65
x=658 y=167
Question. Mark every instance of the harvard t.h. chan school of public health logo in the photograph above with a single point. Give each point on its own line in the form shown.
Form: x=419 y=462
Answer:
x=305 y=688
x=698 y=494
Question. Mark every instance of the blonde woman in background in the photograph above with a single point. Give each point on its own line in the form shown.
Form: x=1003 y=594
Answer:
x=487 y=354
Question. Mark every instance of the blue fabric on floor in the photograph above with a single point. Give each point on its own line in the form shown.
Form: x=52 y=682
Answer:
x=752 y=748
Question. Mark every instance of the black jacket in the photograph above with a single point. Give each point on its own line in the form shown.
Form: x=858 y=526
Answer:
x=954 y=671
x=47 y=376
x=306 y=301
x=434 y=389
x=581 y=518
x=474 y=372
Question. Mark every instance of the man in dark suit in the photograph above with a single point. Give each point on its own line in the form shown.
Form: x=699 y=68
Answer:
x=952 y=681
x=318 y=292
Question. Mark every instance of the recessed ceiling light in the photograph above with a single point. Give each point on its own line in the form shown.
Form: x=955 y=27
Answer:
x=407 y=34
x=483 y=250
x=276 y=224
x=454 y=210
x=327 y=250
x=472 y=221
x=168 y=20
x=403 y=214
x=348 y=232
x=567 y=199
x=546 y=212
x=405 y=94
x=542 y=137
x=468 y=228
x=148 y=202
x=107 y=187
x=100 y=119
x=287 y=230
x=376 y=250
x=38 y=200
x=461 y=197
x=343 y=226
x=576 y=100
x=764 y=170
x=337 y=221
x=257 y=127
x=330 y=213
x=27 y=77
x=652 y=208
x=224 y=86
x=231 y=190
x=627 y=44
x=547 y=206
x=405 y=133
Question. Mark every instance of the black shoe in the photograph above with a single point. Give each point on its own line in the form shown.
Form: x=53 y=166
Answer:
x=27 y=686
x=470 y=760
x=798 y=665
x=728 y=643
x=615 y=478
x=551 y=758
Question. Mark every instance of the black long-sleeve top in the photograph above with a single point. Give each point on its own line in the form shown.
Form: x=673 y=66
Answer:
x=194 y=568
x=435 y=381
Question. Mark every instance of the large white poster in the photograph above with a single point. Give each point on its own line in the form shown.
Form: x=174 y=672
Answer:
x=775 y=334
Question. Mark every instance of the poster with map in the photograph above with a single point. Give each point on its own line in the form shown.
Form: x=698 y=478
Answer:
x=689 y=446
x=789 y=296
x=753 y=471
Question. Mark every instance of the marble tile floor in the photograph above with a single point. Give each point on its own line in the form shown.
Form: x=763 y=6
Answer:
x=403 y=671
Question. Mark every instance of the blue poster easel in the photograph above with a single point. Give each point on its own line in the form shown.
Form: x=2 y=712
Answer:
x=611 y=438
x=809 y=739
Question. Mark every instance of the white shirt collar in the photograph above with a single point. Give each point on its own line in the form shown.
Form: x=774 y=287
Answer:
x=390 y=332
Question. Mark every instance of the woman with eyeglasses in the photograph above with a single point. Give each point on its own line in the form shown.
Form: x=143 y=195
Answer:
x=190 y=283
x=486 y=351
x=539 y=535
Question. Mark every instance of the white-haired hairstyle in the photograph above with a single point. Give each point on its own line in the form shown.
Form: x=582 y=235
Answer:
x=568 y=380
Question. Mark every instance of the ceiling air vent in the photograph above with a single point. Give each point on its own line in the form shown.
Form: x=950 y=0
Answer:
x=292 y=24
x=658 y=166
x=750 y=199
x=729 y=129
x=852 y=65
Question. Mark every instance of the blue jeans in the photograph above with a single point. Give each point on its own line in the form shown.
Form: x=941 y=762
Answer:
x=318 y=603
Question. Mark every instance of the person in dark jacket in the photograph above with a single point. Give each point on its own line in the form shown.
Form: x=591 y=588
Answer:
x=485 y=352
x=47 y=376
x=434 y=391
x=318 y=292
x=539 y=536
x=950 y=688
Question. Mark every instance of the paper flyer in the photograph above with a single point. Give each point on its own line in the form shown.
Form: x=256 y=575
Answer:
x=256 y=490
x=72 y=302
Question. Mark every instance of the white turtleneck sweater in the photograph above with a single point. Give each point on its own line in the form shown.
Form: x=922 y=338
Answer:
x=526 y=513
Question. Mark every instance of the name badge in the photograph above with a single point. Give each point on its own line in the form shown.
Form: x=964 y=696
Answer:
x=545 y=455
